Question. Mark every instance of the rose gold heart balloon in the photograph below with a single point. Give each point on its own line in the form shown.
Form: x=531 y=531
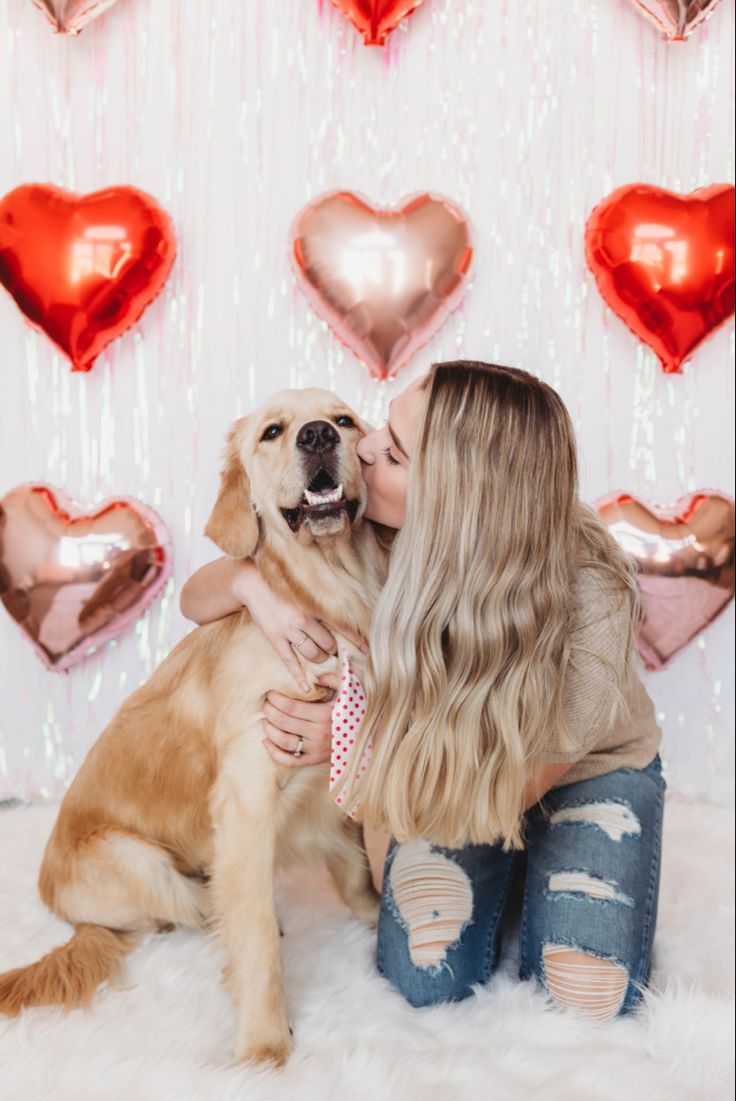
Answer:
x=69 y=16
x=384 y=280
x=685 y=554
x=71 y=580
x=676 y=19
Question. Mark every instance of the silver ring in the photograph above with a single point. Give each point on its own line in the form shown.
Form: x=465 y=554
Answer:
x=301 y=641
x=298 y=751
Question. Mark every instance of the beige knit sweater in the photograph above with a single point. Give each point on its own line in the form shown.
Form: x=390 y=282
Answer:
x=606 y=739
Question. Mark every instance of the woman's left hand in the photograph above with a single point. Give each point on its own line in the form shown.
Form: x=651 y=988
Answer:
x=287 y=719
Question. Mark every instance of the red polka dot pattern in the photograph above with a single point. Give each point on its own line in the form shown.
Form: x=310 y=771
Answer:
x=347 y=711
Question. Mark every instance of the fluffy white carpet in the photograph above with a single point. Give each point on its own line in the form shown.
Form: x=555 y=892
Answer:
x=169 y=1036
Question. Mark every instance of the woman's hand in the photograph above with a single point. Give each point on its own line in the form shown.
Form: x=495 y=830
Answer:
x=284 y=623
x=228 y=584
x=287 y=719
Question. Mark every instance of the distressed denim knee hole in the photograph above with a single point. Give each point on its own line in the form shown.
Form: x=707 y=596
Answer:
x=434 y=901
x=579 y=980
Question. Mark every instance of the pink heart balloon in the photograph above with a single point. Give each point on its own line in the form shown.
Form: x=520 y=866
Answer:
x=384 y=280
x=676 y=19
x=69 y=16
x=72 y=581
x=685 y=554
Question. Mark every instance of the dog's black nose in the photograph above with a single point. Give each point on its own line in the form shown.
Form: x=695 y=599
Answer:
x=317 y=436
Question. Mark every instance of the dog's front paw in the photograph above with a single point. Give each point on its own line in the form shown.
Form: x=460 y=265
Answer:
x=265 y=1052
x=265 y=1040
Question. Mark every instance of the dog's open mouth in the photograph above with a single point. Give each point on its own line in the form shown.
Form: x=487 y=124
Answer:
x=321 y=498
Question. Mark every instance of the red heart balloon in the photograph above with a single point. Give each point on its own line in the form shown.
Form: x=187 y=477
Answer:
x=665 y=263
x=83 y=268
x=685 y=555
x=71 y=580
x=375 y=19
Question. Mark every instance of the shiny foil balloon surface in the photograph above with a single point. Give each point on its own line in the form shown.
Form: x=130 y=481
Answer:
x=375 y=19
x=83 y=268
x=676 y=19
x=384 y=280
x=73 y=580
x=70 y=16
x=685 y=554
x=665 y=264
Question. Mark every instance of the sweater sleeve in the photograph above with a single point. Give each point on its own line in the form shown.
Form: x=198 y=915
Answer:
x=597 y=662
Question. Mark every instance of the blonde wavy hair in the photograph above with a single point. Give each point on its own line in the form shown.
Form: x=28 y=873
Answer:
x=470 y=637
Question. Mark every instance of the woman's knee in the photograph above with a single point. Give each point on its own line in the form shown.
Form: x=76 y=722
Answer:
x=582 y=981
x=434 y=899
x=428 y=903
x=428 y=989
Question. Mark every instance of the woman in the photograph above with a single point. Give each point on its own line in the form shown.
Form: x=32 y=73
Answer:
x=509 y=732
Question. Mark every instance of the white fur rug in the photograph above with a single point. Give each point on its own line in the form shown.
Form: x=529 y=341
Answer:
x=169 y=1036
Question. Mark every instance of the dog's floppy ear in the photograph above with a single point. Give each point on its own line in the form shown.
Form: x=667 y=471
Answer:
x=233 y=522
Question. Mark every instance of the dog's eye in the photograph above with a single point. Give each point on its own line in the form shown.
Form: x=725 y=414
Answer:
x=272 y=432
x=345 y=421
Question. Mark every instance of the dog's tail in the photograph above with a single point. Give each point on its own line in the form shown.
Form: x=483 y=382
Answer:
x=69 y=975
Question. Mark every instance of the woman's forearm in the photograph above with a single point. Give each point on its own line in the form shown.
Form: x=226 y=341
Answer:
x=218 y=589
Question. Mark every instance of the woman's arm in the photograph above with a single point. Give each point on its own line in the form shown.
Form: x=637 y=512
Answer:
x=218 y=589
x=229 y=584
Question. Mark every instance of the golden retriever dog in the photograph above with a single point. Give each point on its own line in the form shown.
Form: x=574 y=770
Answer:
x=178 y=815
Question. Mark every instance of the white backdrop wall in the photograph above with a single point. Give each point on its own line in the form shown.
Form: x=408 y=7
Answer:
x=233 y=114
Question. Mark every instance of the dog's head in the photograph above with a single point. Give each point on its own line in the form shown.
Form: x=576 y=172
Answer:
x=293 y=465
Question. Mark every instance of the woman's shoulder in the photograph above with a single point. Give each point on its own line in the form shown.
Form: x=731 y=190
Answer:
x=601 y=629
x=597 y=680
x=596 y=580
x=599 y=600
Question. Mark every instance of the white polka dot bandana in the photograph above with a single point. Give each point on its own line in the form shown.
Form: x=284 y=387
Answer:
x=347 y=711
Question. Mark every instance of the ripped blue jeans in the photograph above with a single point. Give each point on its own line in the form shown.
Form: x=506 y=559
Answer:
x=590 y=873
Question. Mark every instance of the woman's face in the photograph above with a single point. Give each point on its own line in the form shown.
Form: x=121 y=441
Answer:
x=385 y=455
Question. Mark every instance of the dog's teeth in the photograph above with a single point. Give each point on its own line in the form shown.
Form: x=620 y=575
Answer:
x=323 y=498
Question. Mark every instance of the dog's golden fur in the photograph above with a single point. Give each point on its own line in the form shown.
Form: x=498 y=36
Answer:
x=178 y=815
